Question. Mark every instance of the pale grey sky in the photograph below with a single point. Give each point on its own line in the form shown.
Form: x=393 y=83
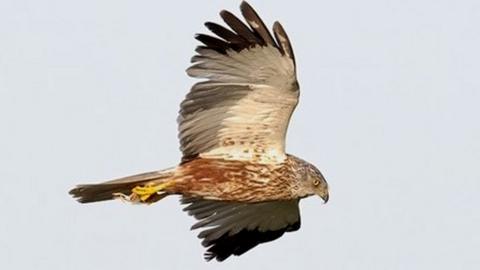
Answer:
x=89 y=90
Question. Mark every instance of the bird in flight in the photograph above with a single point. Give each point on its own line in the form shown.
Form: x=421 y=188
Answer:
x=235 y=177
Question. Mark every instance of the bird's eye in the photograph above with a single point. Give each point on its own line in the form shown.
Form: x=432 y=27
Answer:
x=316 y=182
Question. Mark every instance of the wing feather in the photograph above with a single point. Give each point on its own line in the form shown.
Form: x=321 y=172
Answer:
x=235 y=40
x=232 y=228
x=241 y=111
x=239 y=27
x=283 y=40
x=256 y=23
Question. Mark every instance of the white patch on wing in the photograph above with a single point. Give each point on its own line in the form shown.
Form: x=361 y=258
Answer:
x=254 y=24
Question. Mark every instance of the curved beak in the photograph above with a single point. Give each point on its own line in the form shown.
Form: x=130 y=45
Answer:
x=324 y=197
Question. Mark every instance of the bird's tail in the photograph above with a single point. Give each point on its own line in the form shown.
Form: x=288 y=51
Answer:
x=142 y=188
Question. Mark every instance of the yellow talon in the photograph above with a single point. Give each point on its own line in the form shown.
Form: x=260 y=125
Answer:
x=145 y=192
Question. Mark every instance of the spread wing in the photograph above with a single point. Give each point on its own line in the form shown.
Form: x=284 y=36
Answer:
x=241 y=111
x=232 y=228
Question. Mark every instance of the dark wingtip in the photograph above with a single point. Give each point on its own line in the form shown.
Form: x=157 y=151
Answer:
x=246 y=8
x=237 y=244
x=283 y=41
x=244 y=4
x=208 y=256
x=225 y=14
x=240 y=35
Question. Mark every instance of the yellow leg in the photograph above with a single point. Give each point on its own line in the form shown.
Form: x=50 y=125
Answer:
x=145 y=192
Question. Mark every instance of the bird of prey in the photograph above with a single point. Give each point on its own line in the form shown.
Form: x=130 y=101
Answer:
x=235 y=177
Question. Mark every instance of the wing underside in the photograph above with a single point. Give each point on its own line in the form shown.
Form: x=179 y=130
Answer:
x=242 y=108
x=233 y=228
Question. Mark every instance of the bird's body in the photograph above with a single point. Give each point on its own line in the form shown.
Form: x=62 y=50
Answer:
x=235 y=175
x=232 y=180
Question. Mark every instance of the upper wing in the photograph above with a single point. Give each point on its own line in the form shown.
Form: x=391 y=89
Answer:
x=241 y=111
x=234 y=228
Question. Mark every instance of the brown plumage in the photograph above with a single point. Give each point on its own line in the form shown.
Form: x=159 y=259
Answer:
x=231 y=180
x=235 y=176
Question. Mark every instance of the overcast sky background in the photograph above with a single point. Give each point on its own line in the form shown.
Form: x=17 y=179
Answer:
x=390 y=106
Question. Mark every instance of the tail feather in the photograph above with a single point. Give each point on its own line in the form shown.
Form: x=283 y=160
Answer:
x=88 y=193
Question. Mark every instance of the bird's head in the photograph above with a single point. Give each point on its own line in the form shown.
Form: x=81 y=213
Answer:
x=316 y=183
